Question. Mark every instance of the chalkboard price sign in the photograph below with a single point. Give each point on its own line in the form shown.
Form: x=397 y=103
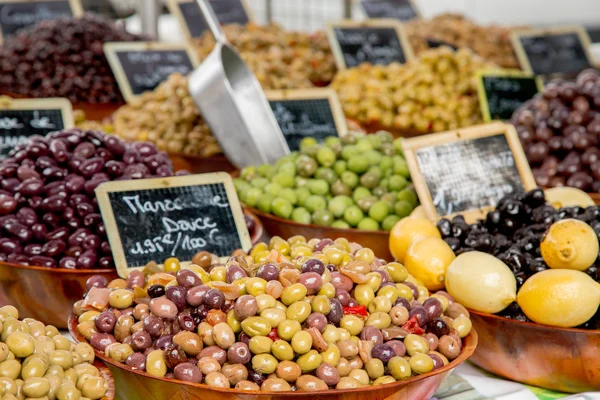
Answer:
x=19 y=14
x=154 y=219
x=142 y=66
x=467 y=171
x=501 y=92
x=403 y=10
x=560 y=51
x=304 y=113
x=20 y=119
x=380 y=42
x=192 y=21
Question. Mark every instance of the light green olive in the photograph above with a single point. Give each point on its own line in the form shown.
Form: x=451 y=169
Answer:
x=327 y=290
x=264 y=301
x=21 y=344
x=399 y=368
x=282 y=350
x=64 y=358
x=260 y=344
x=293 y=293
x=404 y=291
x=421 y=363
x=343 y=366
x=10 y=369
x=397 y=272
x=384 y=380
x=302 y=342
x=233 y=323
x=288 y=328
x=299 y=311
x=344 y=334
x=462 y=325
x=375 y=368
x=279 y=305
x=155 y=363
x=391 y=292
x=120 y=298
x=380 y=320
x=274 y=316
x=94 y=388
x=360 y=375
x=374 y=280
x=256 y=286
x=35 y=368
x=321 y=304
x=363 y=294
x=352 y=324
x=264 y=363
x=119 y=352
x=310 y=361
x=256 y=326
x=331 y=355
x=380 y=304
x=415 y=344
x=36 y=387
x=331 y=334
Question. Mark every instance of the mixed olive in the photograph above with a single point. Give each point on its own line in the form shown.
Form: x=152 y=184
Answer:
x=37 y=362
x=290 y=315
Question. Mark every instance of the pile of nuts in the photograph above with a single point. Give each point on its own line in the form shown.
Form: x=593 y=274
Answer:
x=279 y=59
x=37 y=362
x=63 y=58
x=433 y=93
x=560 y=132
x=290 y=315
x=493 y=43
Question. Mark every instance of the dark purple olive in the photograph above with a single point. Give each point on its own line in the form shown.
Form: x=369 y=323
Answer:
x=438 y=327
x=136 y=361
x=383 y=352
x=235 y=272
x=214 y=298
x=313 y=265
x=97 y=281
x=105 y=322
x=177 y=295
x=433 y=307
x=156 y=290
x=336 y=311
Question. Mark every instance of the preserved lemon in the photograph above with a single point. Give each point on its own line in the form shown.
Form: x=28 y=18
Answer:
x=418 y=212
x=481 y=282
x=566 y=196
x=427 y=260
x=570 y=244
x=559 y=297
x=408 y=230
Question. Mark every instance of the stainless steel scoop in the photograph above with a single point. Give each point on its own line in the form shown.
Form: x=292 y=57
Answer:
x=233 y=103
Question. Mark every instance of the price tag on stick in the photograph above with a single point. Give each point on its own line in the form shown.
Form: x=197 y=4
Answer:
x=19 y=14
x=556 y=51
x=154 y=219
x=403 y=10
x=502 y=91
x=380 y=42
x=192 y=22
x=22 y=118
x=467 y=171
x=142 y=66
x=304 y=113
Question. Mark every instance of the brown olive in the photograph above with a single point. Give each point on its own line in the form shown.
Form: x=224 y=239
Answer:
x=275 y=385
x=288 y=370
x=235 y=373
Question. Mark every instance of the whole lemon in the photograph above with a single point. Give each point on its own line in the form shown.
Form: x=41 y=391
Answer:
x=570 y=244
x=559 y=297
x=481 y=282
x=427 y=260
x=408 y=230
x=566 y=196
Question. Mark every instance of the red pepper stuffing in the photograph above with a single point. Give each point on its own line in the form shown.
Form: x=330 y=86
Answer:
x=412 y=326
x=273 y=335
x=356 y=310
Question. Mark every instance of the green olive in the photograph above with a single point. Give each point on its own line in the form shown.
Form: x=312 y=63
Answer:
x=384 y=380
x=288 y=328
x=462 y=325
x=36 y=387
x=61 y=343
x=348 y=383
x=282 y=350
x=363 y=294
x=280 y=306
x=360 y=375
x=374 y=280
x=352 y=324
x=119 y=352
x=293 y=293
x=86 y=369
x=218 y=274
x=256 y=286
x=256 y=326
x=264 y=363
x=10 y=369
x=321 y=304
x=298 y=311
x=233 y=323
x=94 y=388
x=327 y=290
x=331 y=356
x=391 y=292
x=120 y=298
x=344 y=334
x=310 y=361
x=274 y=315
x=4 y=351
x=421 y=363
x=415 y=344
x=380 y=304
x=260 y=344
x=399 y=368
x=404 y=291
x=302 y=342
x=21 y=344
x=68 y=392
x=343 y=367
x=155 y=363
x=331 y=334
x=380 y=320
x=399 y=315
x=375 y=368
x=240 y=283
x=397 y=272
x=35 y=368
x=264 y=301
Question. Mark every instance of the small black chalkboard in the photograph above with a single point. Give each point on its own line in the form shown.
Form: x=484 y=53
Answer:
x=19 y=14
x=189 y=14
x=553 y=52
x=20 y=119
x=501 y=92
x=154 y=219
x=304 y=113
x=403 y=10
x=467 y=171
x=141 y=67
x=434 y=44
x=373 y=42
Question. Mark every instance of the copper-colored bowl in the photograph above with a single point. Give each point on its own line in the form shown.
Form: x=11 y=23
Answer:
x=378 y=241
x=595 y=197
x=561 y=359
x=257 y=233
x=135 y=384
x=108 y=378
x=201 y=165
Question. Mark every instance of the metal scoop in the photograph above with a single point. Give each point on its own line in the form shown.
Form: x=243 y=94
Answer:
x=233 y=104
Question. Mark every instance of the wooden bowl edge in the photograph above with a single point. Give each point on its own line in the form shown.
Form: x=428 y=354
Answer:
x=108 y=378
x=532 y=325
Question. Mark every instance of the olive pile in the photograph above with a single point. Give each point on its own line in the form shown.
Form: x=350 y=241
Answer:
x=37 y=362
x=513 y=233
x=49 y=214
x=357 y=181
x=280 y=59
x=433 y=93
x=493 y=43
x=63 y=58
x=335 y=316
x=560 y=131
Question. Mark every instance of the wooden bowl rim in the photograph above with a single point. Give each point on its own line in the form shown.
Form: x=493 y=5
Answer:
x=470 y=343
x=108 y=378
x=259 y=229
x=74 y=104
x=280 y=220
x=533 y=325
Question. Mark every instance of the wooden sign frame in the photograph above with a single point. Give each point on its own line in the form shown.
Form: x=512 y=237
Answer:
x=475 y=132
x=51 y=103
x=584 y=38
x=76 y=7
x=175 y=10
x=315 y=94
x=336 y=47
x=498 y=72
x=111 y=50
x=114 y=238
x=412 y=4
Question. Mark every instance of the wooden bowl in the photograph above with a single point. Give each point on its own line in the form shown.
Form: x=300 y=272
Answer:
x=259 y=230
x=378 y=241
x=108 y=378
x=135 y=384
x=561 y=359
x=595 y=197
x=201 y=165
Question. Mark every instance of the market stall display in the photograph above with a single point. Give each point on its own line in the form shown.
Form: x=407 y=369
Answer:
x=435 y=92
x=361 y=318
x=560 y=131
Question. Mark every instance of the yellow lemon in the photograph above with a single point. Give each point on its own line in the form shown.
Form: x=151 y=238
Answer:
x=481 y=282
x=408 y=230
x=559 y=297
x=418 y=212
x=561 y=197
x=570 y=244
x=427 y=260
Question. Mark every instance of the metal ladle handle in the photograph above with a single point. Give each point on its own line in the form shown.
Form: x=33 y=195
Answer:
x=212 y=21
